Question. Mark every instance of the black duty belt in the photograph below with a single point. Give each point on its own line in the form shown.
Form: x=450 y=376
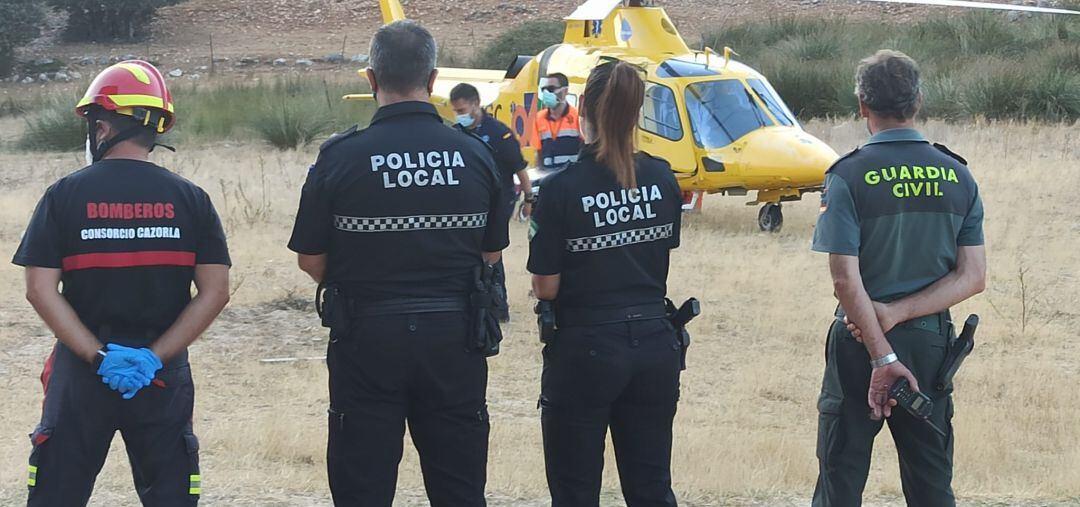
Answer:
x=578 y=317
x=406 y=306
x=934 y=323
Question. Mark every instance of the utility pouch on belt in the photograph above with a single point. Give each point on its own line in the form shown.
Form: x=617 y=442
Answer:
x=545 y=321
x=484 y=331
x=679 y=318
x=333 y=309
x=958 y=351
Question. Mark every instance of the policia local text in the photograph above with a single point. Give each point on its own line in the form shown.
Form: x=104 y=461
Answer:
x=622 y=206
x=433 y=168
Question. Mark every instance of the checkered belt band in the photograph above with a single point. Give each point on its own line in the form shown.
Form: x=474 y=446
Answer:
x=412 y=223
x=618 y=239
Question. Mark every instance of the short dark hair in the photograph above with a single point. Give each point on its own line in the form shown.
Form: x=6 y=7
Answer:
x=889 y=84
x=145 y=136
x=403 y=56
x=563 y=80
x=466 y=92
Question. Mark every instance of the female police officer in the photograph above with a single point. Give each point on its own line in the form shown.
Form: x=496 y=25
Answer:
x=601 y=240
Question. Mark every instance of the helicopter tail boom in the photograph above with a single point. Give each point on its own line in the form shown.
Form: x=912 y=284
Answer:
x=391 y=11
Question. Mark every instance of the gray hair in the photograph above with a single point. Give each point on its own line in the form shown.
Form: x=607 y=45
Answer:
x=889 y=84
x=403 y=56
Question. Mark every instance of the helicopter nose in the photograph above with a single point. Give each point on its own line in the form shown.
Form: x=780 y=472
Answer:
x=788 y=156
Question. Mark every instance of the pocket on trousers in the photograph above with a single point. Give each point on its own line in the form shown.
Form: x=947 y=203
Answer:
x=194 y=476
x=38 y=440
x=830 y=440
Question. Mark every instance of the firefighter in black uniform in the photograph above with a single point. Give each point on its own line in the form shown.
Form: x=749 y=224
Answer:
x=400 y=223
x=126 y=238
x=601 y=240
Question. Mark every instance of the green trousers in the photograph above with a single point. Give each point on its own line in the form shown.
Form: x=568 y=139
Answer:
x=846 y=433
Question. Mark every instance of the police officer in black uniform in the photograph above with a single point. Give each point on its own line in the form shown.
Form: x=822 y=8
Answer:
x=396 y=221
x=465 y=99
x=601 y=240
x=126 y=238
x=901 y=220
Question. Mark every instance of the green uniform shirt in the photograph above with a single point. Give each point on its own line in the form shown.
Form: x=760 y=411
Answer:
x=903 y=206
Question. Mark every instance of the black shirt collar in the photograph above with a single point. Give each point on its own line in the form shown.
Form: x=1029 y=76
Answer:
x=587 y=152
x=404 y=108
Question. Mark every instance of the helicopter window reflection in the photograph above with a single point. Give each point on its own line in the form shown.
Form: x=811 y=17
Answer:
x=769 y=96
x=660 y=113
x=722 y=111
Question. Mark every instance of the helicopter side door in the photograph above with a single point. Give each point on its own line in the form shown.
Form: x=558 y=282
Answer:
x=662 y=128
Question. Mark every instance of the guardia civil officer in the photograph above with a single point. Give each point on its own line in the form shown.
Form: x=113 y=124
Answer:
x=400 y=222
x=126 y=238
x=901 y=221
x=602 y=236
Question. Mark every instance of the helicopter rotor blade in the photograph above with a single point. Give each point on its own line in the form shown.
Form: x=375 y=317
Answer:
x=982 y=5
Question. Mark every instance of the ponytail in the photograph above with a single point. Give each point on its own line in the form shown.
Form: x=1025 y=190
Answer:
x=612 y=102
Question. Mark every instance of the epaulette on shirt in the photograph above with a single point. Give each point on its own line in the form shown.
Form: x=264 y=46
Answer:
x=844 y=157
x=650 y=155
x=945 y=149
x=340 y=136
x=473 y=135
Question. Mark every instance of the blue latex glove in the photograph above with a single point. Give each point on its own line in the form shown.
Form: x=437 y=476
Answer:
x=128 y=370
x=116 y=361
x=128 y=382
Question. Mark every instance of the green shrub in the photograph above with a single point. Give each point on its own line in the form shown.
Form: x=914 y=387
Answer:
x=942 y=99
x=112 y=20
x=287 y=112
x=54 y=127
x=996 y=90
x=812 y=90
x=10 y=107
x=1054 y=96
x=288 y=126
x=754 y=38
x=1063 y=57
x=978 y=64
x=20 y=22
x=529 y=38
x=814 y=47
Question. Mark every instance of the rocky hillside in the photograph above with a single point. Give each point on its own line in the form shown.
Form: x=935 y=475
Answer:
x=263 y=35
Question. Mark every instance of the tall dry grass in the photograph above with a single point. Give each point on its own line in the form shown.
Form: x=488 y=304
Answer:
x=746 y=426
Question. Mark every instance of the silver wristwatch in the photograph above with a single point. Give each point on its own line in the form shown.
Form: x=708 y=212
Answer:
x=885 y=360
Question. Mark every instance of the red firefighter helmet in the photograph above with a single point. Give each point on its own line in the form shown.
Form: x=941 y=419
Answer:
x=133 y=88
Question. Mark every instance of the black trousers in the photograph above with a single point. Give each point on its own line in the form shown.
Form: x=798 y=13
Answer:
x=623 y=376
x=846 y=433
x=414 y=369
x=79 y=419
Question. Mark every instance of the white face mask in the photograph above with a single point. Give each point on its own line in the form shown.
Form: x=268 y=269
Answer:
x=89 y=156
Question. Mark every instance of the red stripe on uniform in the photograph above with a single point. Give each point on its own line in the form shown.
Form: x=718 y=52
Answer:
x=128 y=260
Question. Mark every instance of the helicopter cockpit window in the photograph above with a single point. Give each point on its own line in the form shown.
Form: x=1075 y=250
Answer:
x=722 y=111
x=660 y=113
x=772 y=101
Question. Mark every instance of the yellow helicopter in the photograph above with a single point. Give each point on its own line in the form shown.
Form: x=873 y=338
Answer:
x=719 y=123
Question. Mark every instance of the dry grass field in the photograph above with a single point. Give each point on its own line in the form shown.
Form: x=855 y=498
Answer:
x=745 y=432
